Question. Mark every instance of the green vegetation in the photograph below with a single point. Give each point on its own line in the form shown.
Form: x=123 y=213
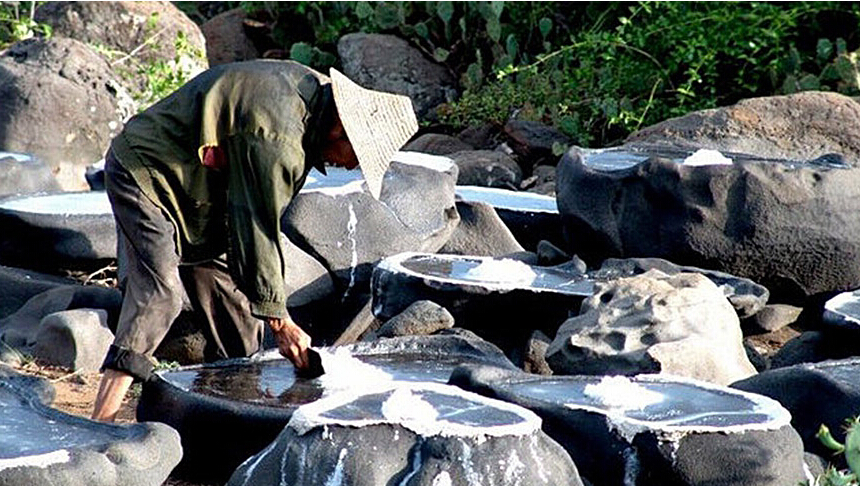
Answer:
x=17 y=24
x=851 y=450
x=596 y=71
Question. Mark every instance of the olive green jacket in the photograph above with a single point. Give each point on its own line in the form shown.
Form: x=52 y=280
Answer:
x=268 y=118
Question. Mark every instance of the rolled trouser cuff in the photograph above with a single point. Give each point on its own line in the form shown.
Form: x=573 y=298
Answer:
x=135 y=364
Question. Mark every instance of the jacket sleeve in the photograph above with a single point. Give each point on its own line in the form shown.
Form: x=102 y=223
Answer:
x=263 y=173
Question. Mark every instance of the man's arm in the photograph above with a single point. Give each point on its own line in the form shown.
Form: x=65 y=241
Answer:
x=262 y=179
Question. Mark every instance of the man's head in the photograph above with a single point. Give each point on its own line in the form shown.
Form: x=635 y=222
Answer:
x=336 y=148
x=377 y=125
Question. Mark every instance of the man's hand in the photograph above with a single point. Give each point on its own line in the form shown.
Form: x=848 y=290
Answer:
x=292 y=341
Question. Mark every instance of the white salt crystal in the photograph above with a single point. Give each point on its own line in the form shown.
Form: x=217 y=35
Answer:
x=503 y=270
x=707 y=157
x=619 y=393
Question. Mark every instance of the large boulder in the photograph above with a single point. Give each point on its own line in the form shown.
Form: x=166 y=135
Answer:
x=654 y=323
x=793 y=227
x=60 y=101
x=800 y=126
x=41 y=327
x=389 y=63
x=17 y=286
x=654 y=430
x=25 y=174
x=41 y=445
x=348 y=230
x=226 y=40
x=74 y=339
x=825 y=393
x=250 y=400
x=143 y=33
x=746 y=296
x=416 y=434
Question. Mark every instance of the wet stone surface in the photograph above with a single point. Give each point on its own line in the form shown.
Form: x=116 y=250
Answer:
x=26 y=431
x=274 y=383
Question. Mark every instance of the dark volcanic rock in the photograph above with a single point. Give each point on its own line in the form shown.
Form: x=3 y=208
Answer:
x=40 y=445
x=17 y=286
x=436 y=144
x=481 y=232
x=226 y=40
x=421 y=318
x=823 y=393
x=348 y=231
x=653 y=430
x=251 y=400
x=792 y=227
x=420 y=434
x=388 y=63
x=487 y=168
x=530 y=217
x=61 y=230
x=533 y=141
x=799 y=126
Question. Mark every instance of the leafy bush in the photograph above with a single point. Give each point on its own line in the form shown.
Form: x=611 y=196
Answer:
x=665 y=59
x=17 y=25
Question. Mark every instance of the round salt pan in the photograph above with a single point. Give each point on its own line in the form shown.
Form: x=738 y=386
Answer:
x=609 y=160
x=842 y=371
x=427 y=409
x=510 y=200
x=488 y=272
x=28 y=430
x=845 y=307
x=685 y=405
x=334 y=177
x=274 y=382
x=14 y=155
x=72 y=203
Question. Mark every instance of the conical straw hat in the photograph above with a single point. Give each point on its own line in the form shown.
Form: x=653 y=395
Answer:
x=376 y=123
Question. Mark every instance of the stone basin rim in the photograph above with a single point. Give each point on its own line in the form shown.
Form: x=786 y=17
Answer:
x=269 y=356
x=394 y=264
x=675 y=153
x=464 y=190
x=779 y=416
x=302 y=420
x=6 y=201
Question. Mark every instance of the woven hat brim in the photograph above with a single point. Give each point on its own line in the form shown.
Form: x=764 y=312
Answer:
x=376 y=123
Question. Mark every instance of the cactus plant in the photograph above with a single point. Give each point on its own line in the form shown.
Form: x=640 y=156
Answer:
x=851 y=450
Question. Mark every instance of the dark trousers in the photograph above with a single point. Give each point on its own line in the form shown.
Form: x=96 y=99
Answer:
x=152 y=279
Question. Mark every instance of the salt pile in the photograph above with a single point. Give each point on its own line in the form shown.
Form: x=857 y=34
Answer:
x=619 y=393
x=503 y=270
x=707 y=157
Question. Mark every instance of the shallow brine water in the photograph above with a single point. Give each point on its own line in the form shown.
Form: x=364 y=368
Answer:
x=25 y=431
x=510 y=200
x=274 y=382
x=502 y=272
x=72 y=203
x=672 y=404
